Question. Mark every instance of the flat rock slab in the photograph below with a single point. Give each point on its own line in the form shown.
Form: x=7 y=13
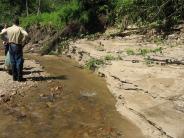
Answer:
x=151 y=96
x=102 y=47
x=153 y=93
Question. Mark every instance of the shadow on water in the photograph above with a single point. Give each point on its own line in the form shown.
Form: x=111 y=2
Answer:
x=30 y=72
x=28 y=68
x=41 y=78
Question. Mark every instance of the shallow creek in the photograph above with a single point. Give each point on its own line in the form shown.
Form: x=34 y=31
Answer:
x=70 y=103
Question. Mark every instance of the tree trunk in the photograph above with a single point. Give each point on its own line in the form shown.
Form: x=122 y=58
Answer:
x=39 y=4
x=27 y=8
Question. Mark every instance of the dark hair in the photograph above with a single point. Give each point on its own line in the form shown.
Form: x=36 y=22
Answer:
x=5 y=25
x=16 y=21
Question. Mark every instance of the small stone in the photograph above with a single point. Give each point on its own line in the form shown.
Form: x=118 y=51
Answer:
x=101 y=74
x=49 y=104
x=120 y=97
x=49 y=81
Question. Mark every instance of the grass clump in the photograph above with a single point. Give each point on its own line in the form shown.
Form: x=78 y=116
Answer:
x=53 y=53
x=130 y=52
x=144 y=51
x=109 y=57
x=158 y=40
x=63 y=46
x=157 y=50
x=93 y=63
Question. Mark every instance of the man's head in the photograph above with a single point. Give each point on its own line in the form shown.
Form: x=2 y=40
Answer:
x=16 y=21
x=5 y=25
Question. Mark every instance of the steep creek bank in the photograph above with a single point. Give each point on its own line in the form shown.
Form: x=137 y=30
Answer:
x=145 y=77
x=64 y=101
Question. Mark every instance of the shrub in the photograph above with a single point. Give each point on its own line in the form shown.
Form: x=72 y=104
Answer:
x=157 y=50
x=144 y=51
x=86 y=13
x=161 y=14
x=130 y=52
x=58 y=19
x=92 y=64
x=109 y=57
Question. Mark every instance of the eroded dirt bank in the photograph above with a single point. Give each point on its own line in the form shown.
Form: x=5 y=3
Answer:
x=145 y=77
x=65 y=102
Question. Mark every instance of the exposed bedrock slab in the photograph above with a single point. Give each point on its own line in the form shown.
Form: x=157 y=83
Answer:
x=152 y=97
x=153 y=94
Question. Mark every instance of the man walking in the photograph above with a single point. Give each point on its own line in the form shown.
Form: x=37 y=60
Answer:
x=16 y=37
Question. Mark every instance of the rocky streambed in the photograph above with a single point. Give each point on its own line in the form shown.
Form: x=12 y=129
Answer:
x=59 y=100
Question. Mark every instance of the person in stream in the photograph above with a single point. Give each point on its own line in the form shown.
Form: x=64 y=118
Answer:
x=16 y=38
x=7 y=64
x=5 y=39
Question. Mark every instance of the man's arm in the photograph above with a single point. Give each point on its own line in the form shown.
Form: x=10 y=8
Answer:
x=4 y=31
x=24 y=33
x=2 y=35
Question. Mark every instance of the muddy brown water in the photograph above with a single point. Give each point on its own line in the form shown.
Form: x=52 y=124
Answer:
x=71 y=103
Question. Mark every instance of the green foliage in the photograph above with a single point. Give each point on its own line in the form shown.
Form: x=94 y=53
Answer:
x=109 y=57
x=157 y=50
x=162 y=14
x=158 y=40
x=68 y=11
x=92 y=64
x=130 y=52
x=53 y=53
x=95 y=14
x=9 y=9
x=144 y=51
x=123 y=8
x=85 y=13
x=56 y=19
x=84 y=18
x=63 y=46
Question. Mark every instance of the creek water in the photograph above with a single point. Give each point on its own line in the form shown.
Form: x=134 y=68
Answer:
x=70 y=103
